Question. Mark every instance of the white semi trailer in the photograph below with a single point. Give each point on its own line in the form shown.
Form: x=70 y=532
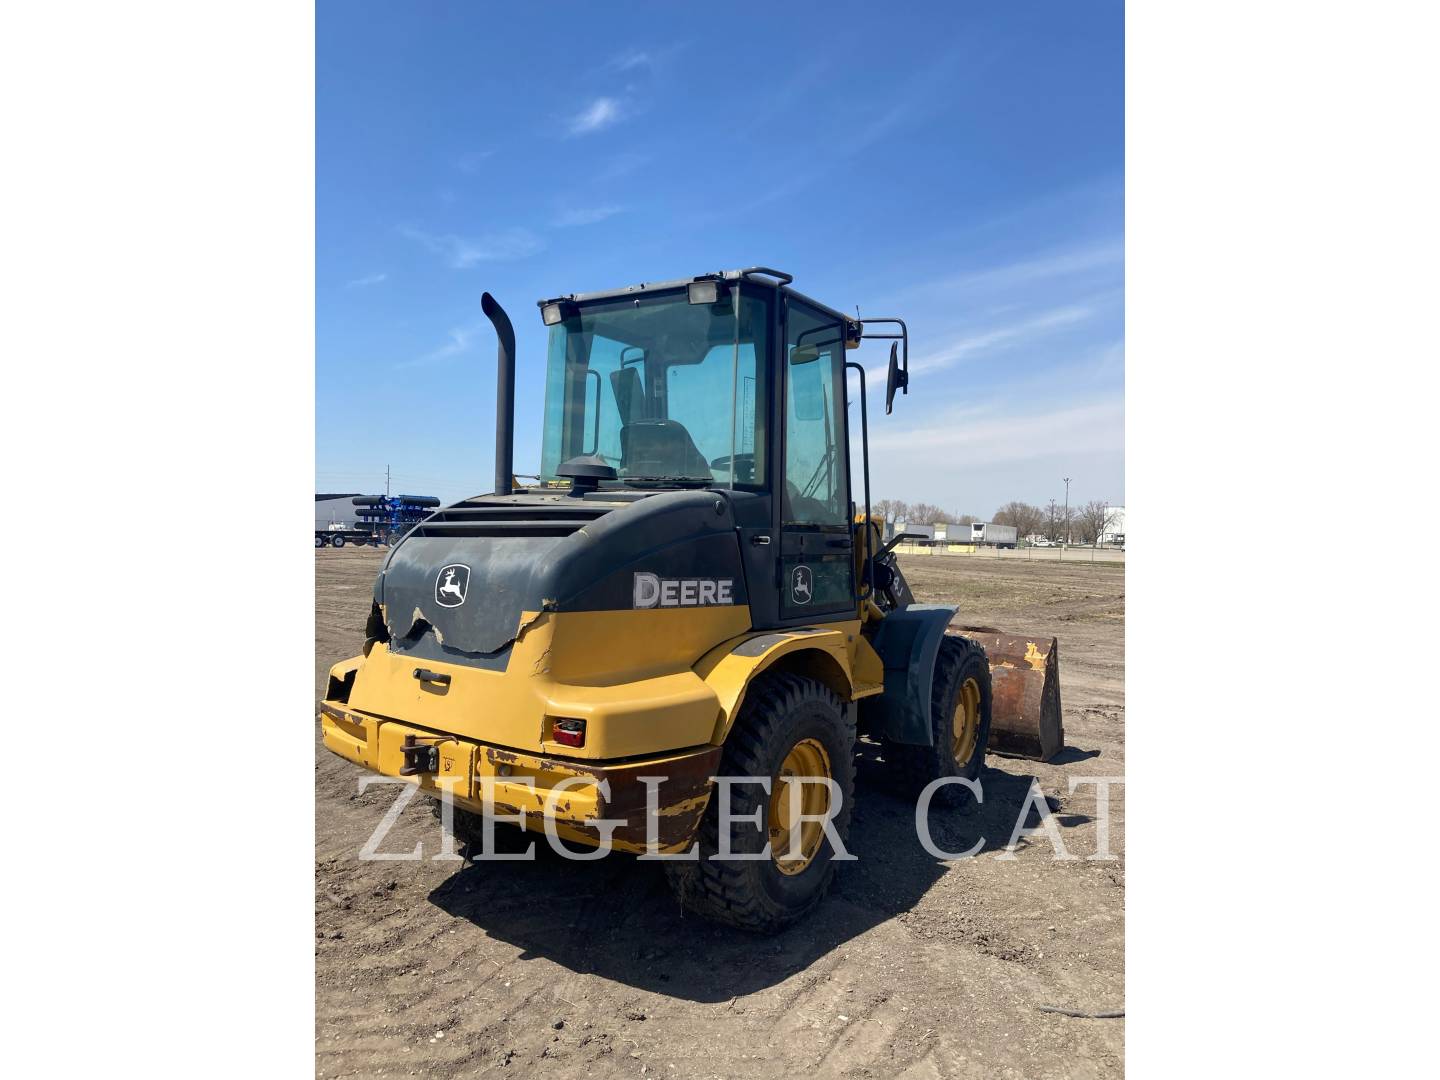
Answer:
x=1000 y=536
x=925 y=532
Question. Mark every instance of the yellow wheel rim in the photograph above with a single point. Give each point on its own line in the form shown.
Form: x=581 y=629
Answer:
x=965 y=727
x=807 y=758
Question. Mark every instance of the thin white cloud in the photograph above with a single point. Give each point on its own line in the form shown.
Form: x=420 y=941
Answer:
x=634 y=58
x=1111 y=359
x=588 y=215
x=600 y=113
x=367 y=280
x=995 y=436
x=474 y=161
x=1028 y=271
x=979 y=342
x=460 y=339
x=620 y=166
x=644 y=61
x=972 y=460
x=801 y=172
x=461 y=253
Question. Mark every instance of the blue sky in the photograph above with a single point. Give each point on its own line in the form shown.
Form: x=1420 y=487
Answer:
x=959 y=165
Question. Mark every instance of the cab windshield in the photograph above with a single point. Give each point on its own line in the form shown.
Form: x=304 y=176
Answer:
x=663 y=390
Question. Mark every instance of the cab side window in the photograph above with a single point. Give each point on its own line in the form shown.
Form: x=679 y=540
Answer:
x=816 y=487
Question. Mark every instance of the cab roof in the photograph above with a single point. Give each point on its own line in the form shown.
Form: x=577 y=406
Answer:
x=756 y=275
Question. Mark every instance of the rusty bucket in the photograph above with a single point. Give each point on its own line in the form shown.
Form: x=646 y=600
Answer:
x=1025 y=692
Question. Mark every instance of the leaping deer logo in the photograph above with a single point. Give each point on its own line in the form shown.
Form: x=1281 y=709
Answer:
x=451 y=585
x=800 y=584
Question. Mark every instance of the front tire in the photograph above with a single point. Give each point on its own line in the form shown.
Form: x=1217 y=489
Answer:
x=789 y=726
x=337 y=541
x=960 y=724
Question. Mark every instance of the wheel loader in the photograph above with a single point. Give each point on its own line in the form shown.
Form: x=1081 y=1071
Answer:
x=669 y=643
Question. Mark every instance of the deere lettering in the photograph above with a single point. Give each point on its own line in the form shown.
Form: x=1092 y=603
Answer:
x=651 y=590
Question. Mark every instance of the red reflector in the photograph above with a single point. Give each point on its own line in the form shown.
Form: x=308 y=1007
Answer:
x=570 y=732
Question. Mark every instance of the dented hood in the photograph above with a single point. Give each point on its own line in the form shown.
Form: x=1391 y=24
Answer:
x=459 y=584
x=468 y=592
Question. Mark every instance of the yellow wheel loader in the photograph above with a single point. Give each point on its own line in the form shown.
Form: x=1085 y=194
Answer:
x=668 y=644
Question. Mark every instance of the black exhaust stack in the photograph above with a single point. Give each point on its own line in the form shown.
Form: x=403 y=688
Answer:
x=504 y=395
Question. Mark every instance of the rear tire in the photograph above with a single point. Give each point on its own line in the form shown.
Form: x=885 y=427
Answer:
x=469 y=830
x=785 y=719
x=337 y=541
x=962 y=682
x=319 y=541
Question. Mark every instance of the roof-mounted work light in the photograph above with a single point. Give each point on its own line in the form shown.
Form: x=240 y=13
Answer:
x=707 y=291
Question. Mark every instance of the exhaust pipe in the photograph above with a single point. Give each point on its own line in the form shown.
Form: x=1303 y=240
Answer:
x=504 y=395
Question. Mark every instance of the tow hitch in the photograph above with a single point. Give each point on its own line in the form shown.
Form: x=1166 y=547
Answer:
x=419 y=757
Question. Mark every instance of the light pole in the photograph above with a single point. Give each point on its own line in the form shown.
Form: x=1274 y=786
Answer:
x=1067 y=508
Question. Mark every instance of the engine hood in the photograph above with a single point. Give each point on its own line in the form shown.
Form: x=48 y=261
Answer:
x=459 y=585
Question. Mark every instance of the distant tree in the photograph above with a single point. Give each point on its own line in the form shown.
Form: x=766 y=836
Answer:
x=964 y=519
x=891 y=510
x=1090 y=521
x=1027 y=519
x=925 y=514
x=1054 y=521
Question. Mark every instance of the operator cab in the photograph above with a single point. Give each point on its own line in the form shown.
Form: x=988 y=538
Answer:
x=729 y=381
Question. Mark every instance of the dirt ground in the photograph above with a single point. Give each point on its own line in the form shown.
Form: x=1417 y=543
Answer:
x=912 y=966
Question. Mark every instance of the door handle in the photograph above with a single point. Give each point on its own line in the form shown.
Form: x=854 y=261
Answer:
x=760 y=541
x=426 y=675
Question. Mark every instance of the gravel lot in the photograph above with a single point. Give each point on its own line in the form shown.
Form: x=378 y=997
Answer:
x=912 y=967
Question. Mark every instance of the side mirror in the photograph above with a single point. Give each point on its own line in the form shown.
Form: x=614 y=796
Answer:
x=895 y=379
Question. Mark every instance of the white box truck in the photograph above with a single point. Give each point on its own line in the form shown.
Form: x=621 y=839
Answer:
x=1000 y=536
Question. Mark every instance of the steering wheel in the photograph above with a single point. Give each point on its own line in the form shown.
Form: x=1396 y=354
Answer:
x=743 y=468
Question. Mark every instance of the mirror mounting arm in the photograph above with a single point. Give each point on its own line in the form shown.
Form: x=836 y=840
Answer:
x=902 y=373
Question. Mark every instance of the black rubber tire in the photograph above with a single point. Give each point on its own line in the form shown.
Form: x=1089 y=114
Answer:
x=915 y=766
x=780 y=709
x=319 y=541
x=337 y=541
x=509 y=838
x=467 y=824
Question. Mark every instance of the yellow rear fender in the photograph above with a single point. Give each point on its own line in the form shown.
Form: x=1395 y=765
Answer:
x=822 y=653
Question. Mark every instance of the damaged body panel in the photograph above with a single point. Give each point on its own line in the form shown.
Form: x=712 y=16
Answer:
x=556 y=553
x=586 y=802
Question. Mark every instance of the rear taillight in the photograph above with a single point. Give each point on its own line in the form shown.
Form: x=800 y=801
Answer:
x=569 y=732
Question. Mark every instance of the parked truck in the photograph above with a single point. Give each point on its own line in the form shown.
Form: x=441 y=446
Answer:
x=339 y=533
x=999 y=536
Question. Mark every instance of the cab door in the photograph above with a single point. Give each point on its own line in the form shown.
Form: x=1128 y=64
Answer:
x=816 y=564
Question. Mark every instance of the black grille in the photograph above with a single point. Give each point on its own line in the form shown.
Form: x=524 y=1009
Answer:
x=479 y=519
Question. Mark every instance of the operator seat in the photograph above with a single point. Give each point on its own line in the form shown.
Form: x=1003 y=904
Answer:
x=629 y=397
x=658 y=447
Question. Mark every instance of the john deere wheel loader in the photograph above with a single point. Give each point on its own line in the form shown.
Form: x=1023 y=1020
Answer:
x=687 y=593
